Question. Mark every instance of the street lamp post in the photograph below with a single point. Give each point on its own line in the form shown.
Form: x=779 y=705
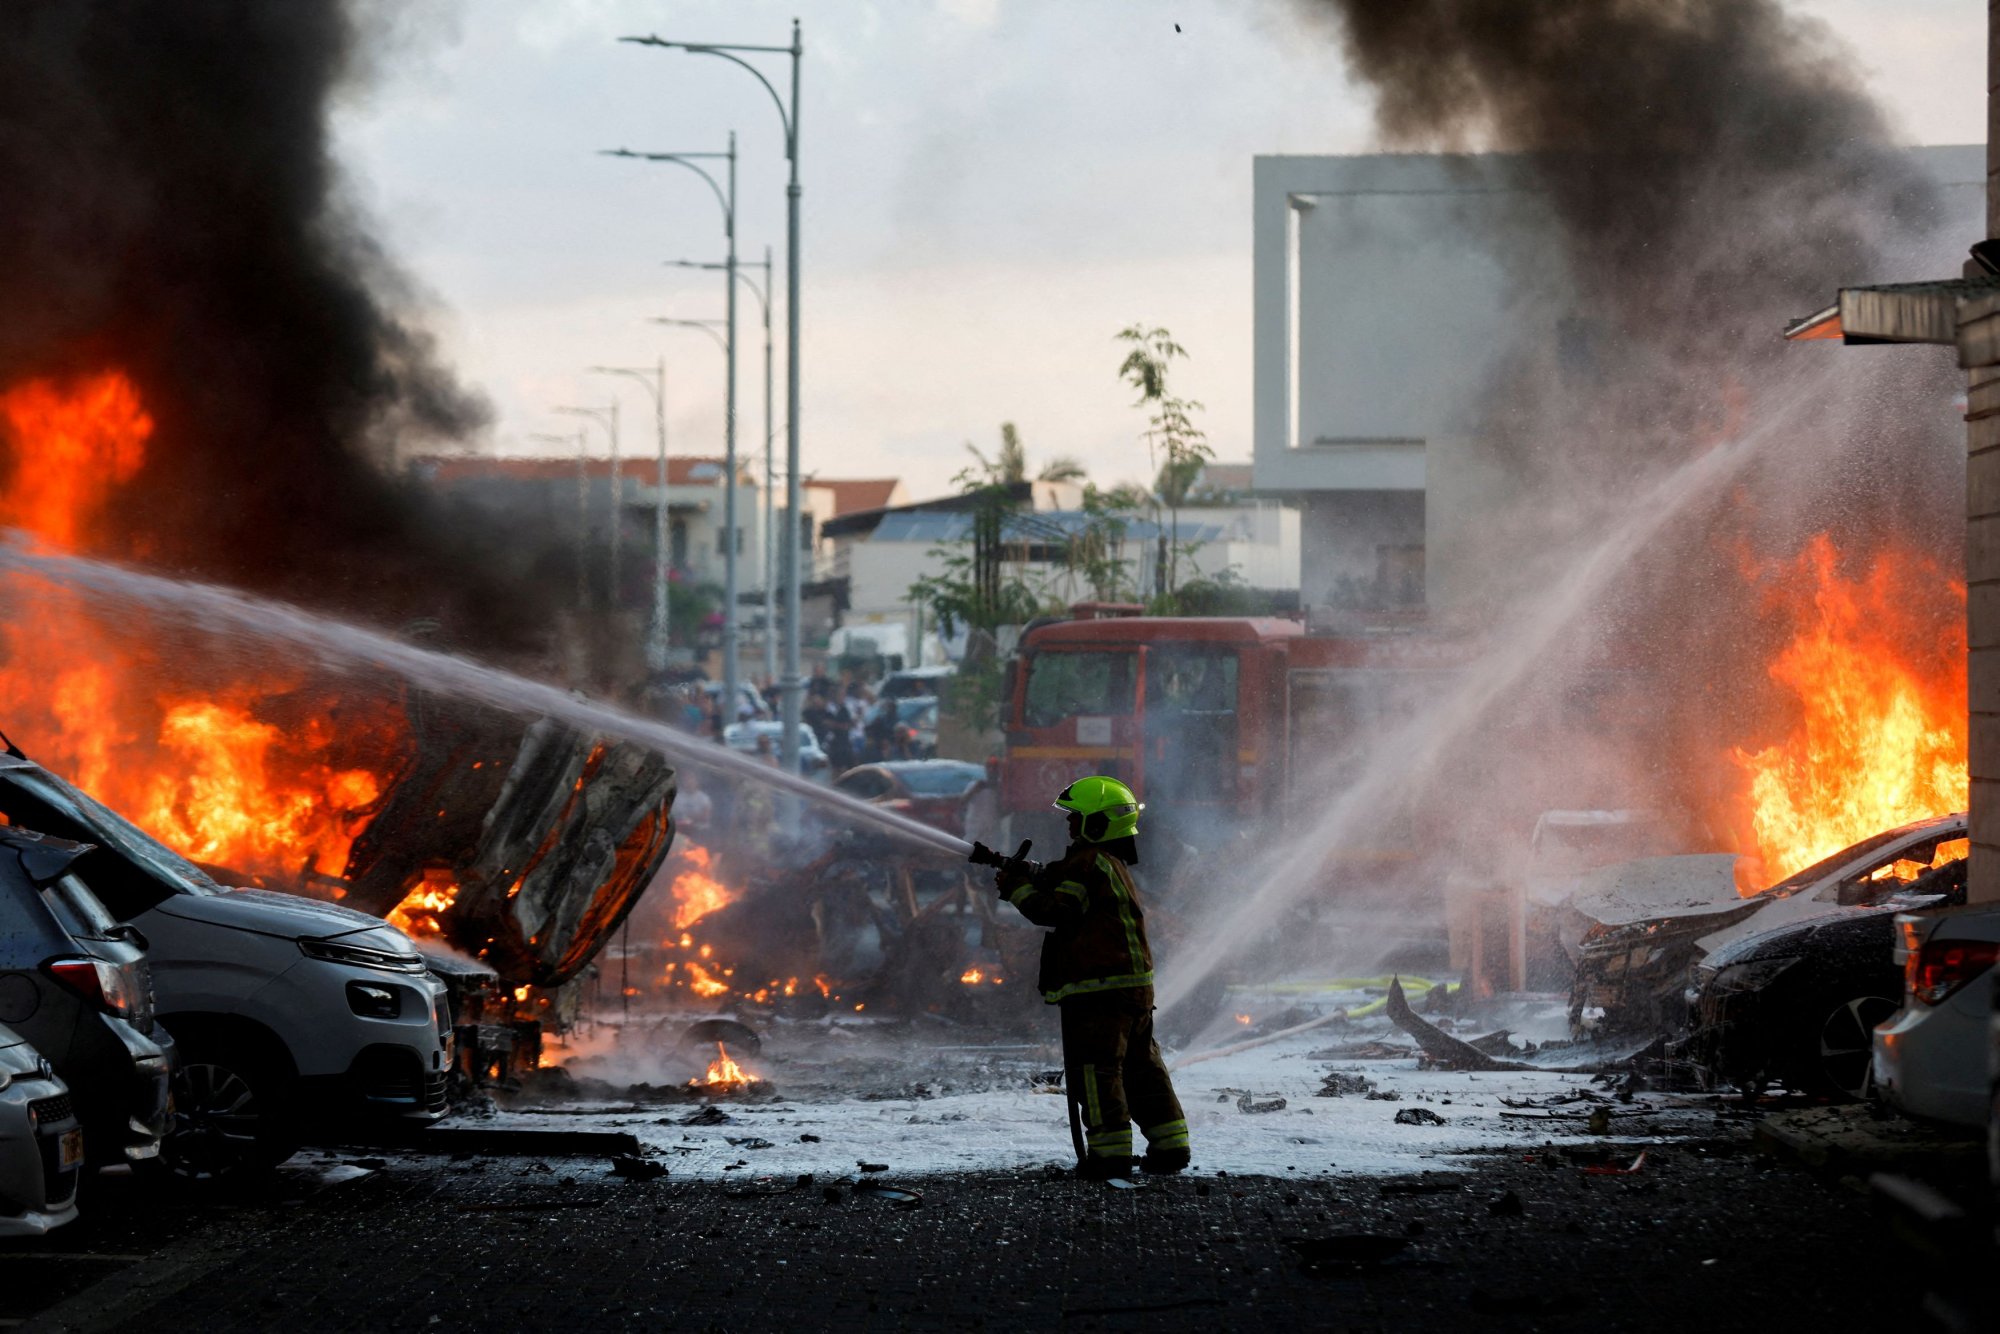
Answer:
x=727 y=198
x=607 y=417
x=770 y=557
x=581 y=441
x=654 y=380
x=793 y=685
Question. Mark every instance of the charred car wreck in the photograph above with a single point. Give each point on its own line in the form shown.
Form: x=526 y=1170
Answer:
x=1780 y=985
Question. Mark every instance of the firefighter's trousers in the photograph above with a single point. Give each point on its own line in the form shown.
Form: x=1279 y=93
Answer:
x=1113 y=1068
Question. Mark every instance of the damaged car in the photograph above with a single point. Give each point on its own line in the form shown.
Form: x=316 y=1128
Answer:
x=1635 y=931
x=1798 y=1005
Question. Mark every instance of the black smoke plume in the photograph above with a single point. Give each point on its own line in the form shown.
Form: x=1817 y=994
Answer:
x=172 y=210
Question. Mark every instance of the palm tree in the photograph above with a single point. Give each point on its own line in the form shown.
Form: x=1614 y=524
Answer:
x=1009 y=466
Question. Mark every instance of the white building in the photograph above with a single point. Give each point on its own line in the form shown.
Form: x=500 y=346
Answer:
x=1381 y=307
x=882 y=555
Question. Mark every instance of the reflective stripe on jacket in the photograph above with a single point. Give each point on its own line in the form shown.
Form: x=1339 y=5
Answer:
x=1097 y=940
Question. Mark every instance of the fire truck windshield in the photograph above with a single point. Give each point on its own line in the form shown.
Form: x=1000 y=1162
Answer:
x=1064 y=685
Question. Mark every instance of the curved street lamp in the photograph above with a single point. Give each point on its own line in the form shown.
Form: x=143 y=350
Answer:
x=727 y=199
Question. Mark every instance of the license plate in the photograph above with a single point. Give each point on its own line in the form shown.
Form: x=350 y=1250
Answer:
x=69 y=1152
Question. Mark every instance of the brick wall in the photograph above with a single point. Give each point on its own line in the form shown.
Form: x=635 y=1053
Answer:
x=1979 y=353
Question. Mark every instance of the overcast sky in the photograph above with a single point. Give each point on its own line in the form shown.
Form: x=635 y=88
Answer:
x=992 y=189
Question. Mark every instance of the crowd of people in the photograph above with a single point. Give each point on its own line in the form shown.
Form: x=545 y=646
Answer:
x=846 y=717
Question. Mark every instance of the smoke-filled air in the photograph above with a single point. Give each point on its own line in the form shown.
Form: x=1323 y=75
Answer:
x=511 y=747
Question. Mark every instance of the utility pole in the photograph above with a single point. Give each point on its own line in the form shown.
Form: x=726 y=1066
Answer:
x=769 y=561
x=793 y=685
x=607 y=417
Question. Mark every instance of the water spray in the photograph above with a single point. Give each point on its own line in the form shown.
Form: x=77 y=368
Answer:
x=228 y=613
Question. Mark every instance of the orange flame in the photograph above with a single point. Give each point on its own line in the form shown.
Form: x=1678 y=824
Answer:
x=202 y=766
x=696 y=892
x=421 y=911
x=724 y=1072
x=1875 y=670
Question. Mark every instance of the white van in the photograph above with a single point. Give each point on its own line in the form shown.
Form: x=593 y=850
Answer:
x=286 y=1011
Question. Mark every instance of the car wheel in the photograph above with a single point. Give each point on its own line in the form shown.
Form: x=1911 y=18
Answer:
x=1839 y=1059
x=230 y=1117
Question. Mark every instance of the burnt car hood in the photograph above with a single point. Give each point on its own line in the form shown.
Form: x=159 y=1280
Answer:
x=1694 y=885
x=286 y=915
x=1835 y=929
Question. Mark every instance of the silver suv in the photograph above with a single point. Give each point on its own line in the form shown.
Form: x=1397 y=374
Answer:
x=286 y=1011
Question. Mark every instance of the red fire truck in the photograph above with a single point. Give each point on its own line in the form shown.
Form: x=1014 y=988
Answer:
x=1226 y=726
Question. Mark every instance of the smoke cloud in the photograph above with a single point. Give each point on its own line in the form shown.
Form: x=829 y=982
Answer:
x=1685 y=177
x=173 y=212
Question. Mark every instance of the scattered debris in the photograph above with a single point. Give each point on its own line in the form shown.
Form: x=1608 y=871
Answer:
x=1607 y=1170
x=1419 y=1116
x=1246 y=1103
x=1384 y=1095
x=1339 y=1084
x=896 y=1195
x=1507 y=1204
x=872 y=1167
x=634 y=1168
x=749 y=1142
x=808 y=1139
x=708 y=1116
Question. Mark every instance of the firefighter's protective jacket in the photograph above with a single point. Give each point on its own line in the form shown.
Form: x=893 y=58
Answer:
x=1099 y=938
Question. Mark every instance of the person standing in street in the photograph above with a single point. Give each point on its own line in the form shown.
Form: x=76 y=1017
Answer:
x=1098 y=966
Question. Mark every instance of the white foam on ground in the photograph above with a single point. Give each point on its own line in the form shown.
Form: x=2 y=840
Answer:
x=1017 y=1127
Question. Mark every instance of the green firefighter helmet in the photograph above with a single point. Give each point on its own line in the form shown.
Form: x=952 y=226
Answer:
x=1108 y=807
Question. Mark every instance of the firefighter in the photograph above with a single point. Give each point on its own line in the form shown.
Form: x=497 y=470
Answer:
x=1097 y=966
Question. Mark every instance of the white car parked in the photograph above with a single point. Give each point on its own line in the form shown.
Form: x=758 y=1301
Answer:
x=41 y=1142
x=1931 y=1057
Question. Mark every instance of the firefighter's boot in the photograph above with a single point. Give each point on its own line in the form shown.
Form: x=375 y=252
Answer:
x=1105 y=1167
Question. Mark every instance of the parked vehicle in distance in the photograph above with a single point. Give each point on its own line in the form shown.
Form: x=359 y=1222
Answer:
x=915 y=683
x=1798 y=1005
x=750 y=702
x=743 y=737
x=286 y=1010
x=41 y=1142
x=1636 y=930
x=73 y=981
x=936 y=792
x=1931 y=1057
x=901 y=729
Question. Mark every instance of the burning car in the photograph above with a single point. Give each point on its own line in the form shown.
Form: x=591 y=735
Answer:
x=1635 y=930
x=1799 y=1004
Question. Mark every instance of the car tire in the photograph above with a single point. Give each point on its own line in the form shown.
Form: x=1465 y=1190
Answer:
x=233 y=1114
x=1833 y=1051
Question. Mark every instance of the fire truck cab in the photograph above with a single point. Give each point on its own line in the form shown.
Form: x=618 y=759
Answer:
x=1226 y=726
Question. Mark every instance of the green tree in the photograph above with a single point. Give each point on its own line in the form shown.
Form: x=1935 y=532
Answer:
x=1175 y=443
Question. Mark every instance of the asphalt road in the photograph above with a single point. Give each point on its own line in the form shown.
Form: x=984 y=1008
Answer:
x=1706 y=1235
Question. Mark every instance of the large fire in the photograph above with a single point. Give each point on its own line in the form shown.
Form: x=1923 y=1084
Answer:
x=230 y=763
x=1875 y=671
